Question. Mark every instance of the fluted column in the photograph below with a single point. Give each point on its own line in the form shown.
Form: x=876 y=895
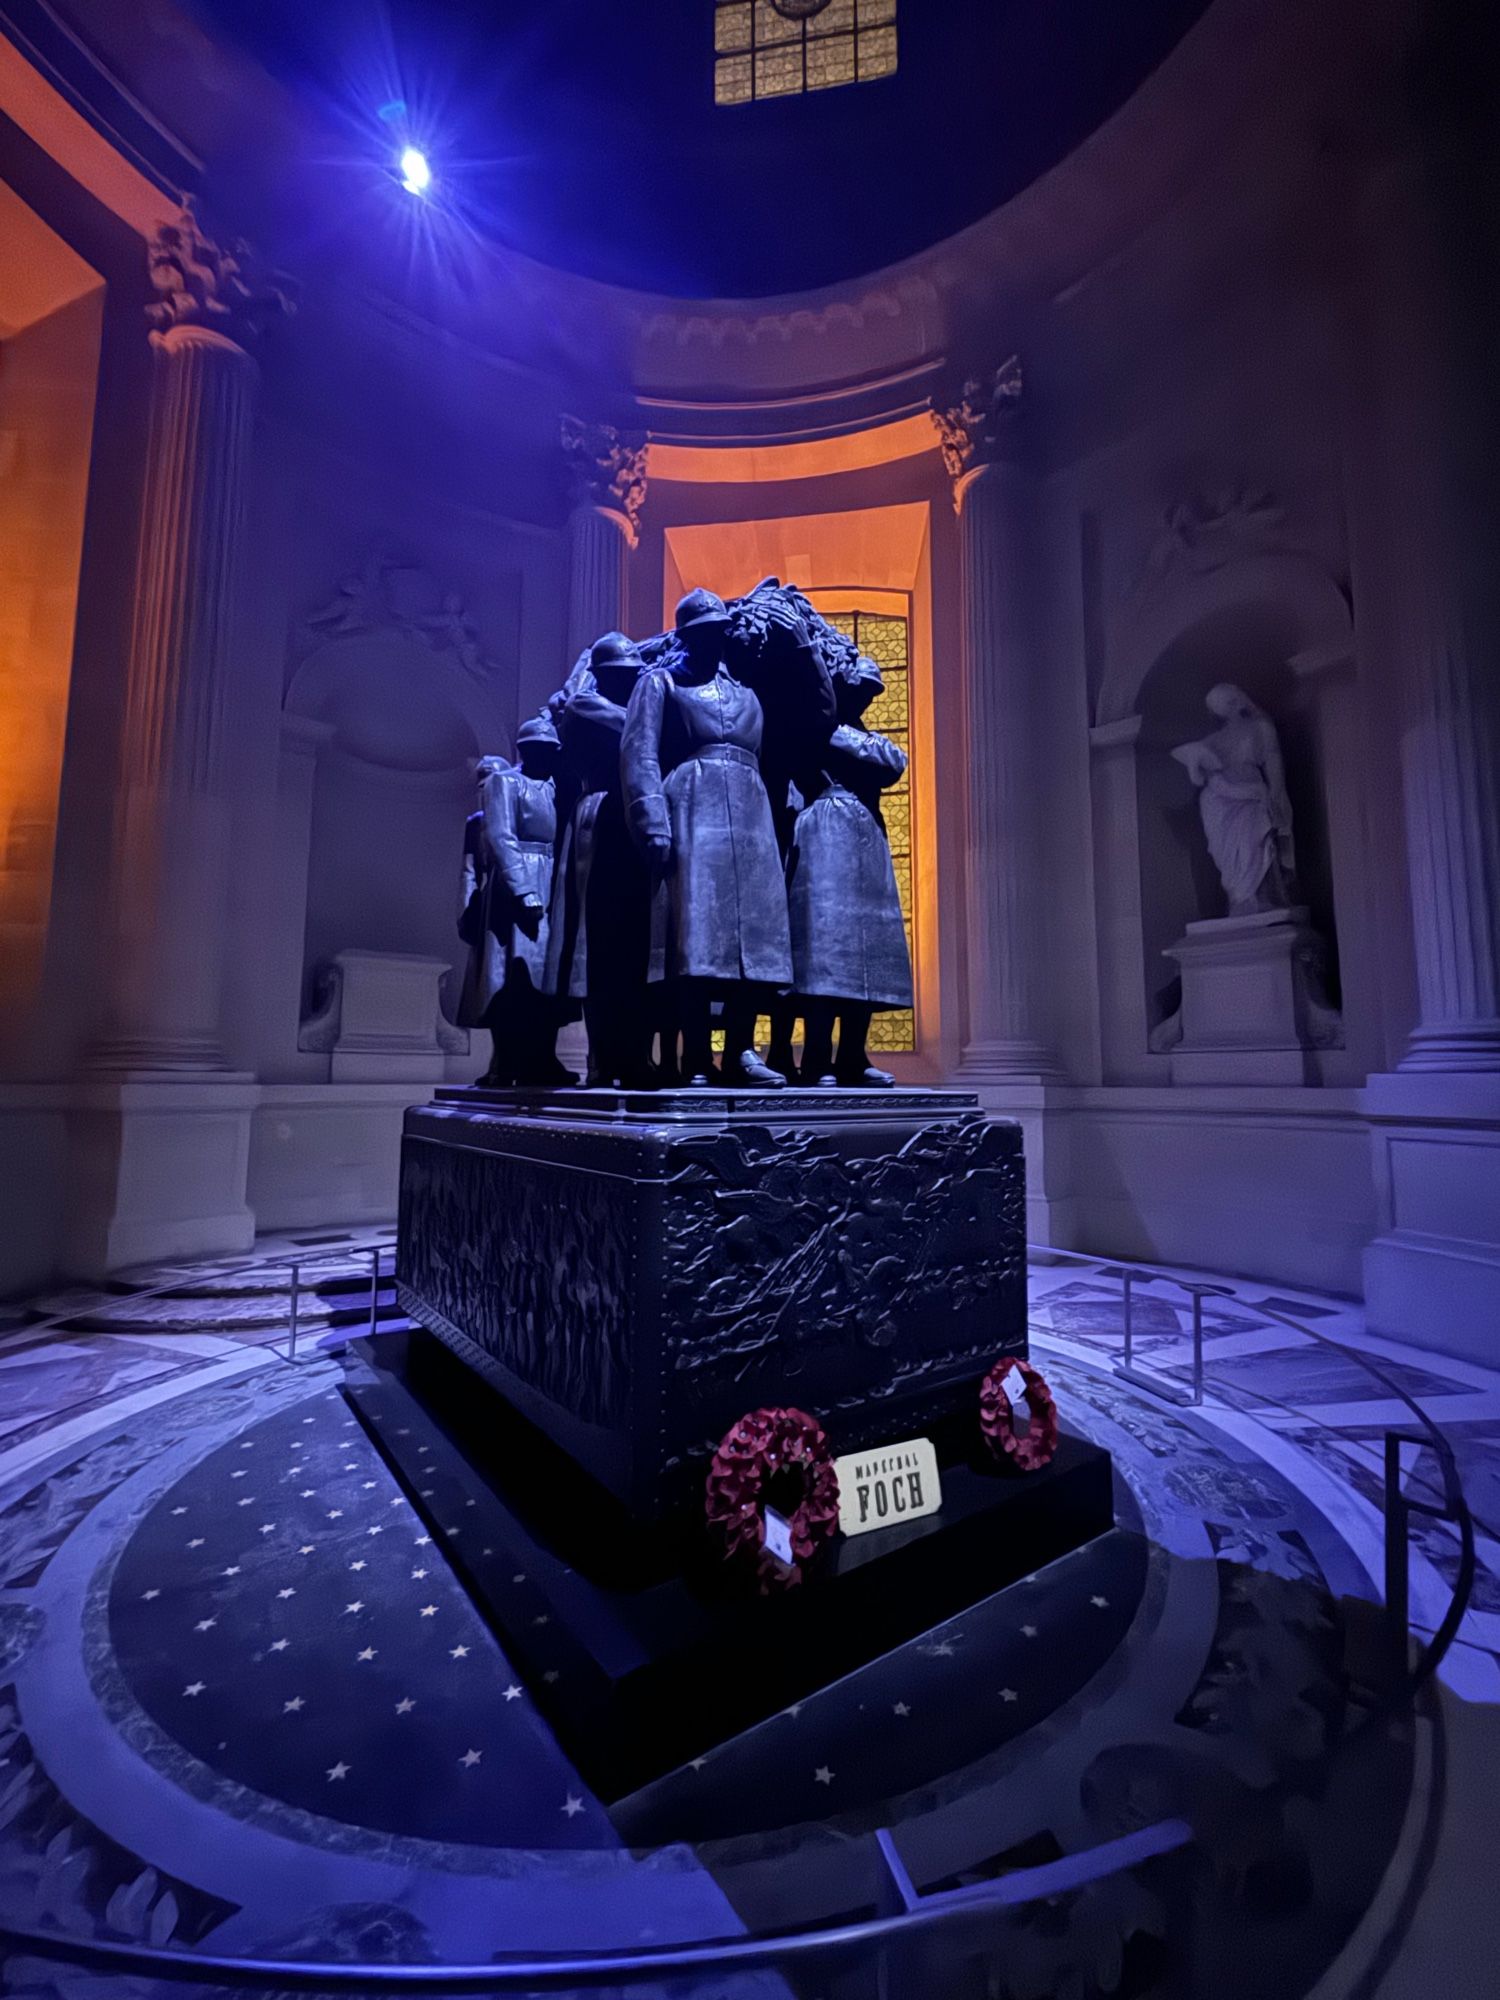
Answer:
x=1450 y=763
x=170 y=886
x=607 y=482
x=1002 y=1041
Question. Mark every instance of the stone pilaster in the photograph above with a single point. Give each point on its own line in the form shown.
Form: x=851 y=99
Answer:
x=1003 y=1042
x=1450 y=768
x=170 y=900
x=607 y=487
x=159 y=1131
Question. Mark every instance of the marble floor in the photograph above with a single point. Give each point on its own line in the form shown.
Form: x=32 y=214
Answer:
x=247 y=1708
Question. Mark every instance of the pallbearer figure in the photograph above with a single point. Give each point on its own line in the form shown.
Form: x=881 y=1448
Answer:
x=849 y=949
x=484 y=973
x=599 y=930
x=520 y=831
x=696 y=804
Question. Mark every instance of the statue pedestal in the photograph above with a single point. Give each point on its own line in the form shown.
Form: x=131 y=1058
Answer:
x=636 y=1271
x=1252 y=1000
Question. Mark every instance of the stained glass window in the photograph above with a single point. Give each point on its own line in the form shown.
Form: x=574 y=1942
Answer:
x=887 y=641
x=780 y=48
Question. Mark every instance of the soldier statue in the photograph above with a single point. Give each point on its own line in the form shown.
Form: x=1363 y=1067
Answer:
x=697 y=805
x=519 y=805
x=600 y=921
x=849 y=949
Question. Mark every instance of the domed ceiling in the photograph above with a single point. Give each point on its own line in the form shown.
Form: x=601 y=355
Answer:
x=585 y=133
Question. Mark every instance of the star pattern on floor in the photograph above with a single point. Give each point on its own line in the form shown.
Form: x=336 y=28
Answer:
x=257 y=1650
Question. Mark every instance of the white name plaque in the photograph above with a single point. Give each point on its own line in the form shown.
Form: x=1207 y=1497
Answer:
x=888 y=1485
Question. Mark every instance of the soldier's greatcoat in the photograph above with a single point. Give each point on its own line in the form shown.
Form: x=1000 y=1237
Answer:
x=520 y=831
x=848 y=940
x=689 y=768
x=599 y=922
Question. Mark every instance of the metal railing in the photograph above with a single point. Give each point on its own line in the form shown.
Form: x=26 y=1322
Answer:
x=73 y=1318
x=1399 y=1506
x=904 y=1915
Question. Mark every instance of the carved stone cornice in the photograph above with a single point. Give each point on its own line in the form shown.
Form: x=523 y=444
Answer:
x=200 y=283
x=605 y=467
x=980 y=427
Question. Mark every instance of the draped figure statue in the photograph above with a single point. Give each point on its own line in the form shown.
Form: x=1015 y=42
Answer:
x=1243 y=803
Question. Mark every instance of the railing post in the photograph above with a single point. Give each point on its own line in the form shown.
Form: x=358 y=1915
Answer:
x=1129 y=1317
x=374 y=1287
x=1397 y=1544
x=1197 y=1347
x=291 y=1349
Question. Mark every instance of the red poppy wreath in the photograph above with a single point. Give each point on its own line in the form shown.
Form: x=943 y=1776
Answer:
x=1019 y=1421
x=777 y=1458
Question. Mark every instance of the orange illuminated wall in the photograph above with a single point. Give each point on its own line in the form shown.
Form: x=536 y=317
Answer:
x=51 y=306
x=874 y=560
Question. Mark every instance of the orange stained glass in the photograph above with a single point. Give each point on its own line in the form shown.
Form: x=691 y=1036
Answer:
x=887 y=641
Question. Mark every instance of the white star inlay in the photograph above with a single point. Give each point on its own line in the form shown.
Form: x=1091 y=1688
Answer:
x=470 y=1758
x=294 y=1706
x=147 y=1595
x=572 y=1805
x=822 y=1776
x=419 y=1572
x=1009 y=1694
x=429 y=1611
x=195 y=1687
x=233 y=1570
x=306 y=1549
x=405 y=1705
x=513 y=1693
x=196 y=1542
x=339 y=1770
x=280 y=1645
x=1100 y=1603
x=458 y=1653
x=367 y=1654
x=900 y=1708
x=205 y=1624
x=357 y=1605
x=1028 y=1631
x=290 y=1591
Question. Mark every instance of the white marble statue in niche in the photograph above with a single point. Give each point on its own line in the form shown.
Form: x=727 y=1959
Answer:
x=1243 y=803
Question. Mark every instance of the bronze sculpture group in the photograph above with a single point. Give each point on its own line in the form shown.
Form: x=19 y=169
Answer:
x=693 y=824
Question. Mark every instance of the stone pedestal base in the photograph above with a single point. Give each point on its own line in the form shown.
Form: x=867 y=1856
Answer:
x=1252 y=1000
x=637 y=1271
x=157 y=1169
x=1432 y=1275
x=381 y=1019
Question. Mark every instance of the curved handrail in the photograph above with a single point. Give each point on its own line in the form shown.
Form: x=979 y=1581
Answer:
x=768 y=1949
x=50 y=1321
x=1432 y=1655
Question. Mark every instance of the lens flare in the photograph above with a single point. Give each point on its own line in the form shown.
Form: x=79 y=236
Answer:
x=416 y=174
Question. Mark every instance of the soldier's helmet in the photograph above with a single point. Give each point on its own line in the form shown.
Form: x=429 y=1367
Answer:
x=700 y=607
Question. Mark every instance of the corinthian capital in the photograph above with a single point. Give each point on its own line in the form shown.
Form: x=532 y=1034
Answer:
x=976 y=430
x=201 y=283
x=606 y=467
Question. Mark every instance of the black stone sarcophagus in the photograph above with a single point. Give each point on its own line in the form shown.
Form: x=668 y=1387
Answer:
x=636 y=1271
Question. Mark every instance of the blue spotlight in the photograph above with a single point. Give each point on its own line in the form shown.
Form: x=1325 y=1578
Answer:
x=416 y=174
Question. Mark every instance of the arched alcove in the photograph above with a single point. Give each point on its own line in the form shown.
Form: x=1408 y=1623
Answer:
x=393 y=784
x=1257 y=620
x=1251 y=645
